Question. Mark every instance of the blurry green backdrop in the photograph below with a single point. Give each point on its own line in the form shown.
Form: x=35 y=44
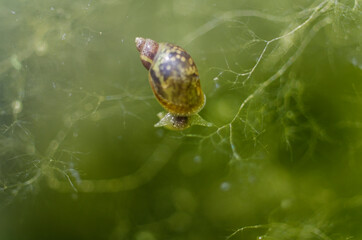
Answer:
x=80 y=158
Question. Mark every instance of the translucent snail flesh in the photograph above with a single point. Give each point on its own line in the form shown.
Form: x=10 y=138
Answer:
x=175 y=82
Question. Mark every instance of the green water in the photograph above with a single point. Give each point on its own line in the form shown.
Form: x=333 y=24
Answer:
x=80 y=158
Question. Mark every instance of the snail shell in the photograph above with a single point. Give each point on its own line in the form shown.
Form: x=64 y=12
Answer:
x=173 y=77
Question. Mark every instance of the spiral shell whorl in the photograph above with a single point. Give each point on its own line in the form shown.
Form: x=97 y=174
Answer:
x=148 y=49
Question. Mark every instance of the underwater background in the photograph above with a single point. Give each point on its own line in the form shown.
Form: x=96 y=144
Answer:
x=81 y=159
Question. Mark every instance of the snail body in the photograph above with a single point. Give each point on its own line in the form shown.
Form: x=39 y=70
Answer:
x=175 y=82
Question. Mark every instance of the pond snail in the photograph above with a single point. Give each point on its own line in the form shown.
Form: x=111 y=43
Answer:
x=175 y=82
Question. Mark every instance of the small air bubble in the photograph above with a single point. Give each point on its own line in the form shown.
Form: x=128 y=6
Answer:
x=70 y=94
x=54 y=84
x=216 y=78
x=52 y=9
x=13 y=12
x=225 y=186
x=290 y=115
x=17 y=106
x=63 y=36
x=197 y=159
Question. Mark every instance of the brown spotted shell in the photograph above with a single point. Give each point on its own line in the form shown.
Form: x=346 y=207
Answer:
x=173 y=77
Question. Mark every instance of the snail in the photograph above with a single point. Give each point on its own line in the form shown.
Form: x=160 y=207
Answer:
x=175 y=82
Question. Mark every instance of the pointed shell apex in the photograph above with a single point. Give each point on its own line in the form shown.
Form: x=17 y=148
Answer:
x=140 y=42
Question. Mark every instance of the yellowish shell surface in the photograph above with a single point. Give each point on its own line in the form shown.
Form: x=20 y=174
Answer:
x=175 y=81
